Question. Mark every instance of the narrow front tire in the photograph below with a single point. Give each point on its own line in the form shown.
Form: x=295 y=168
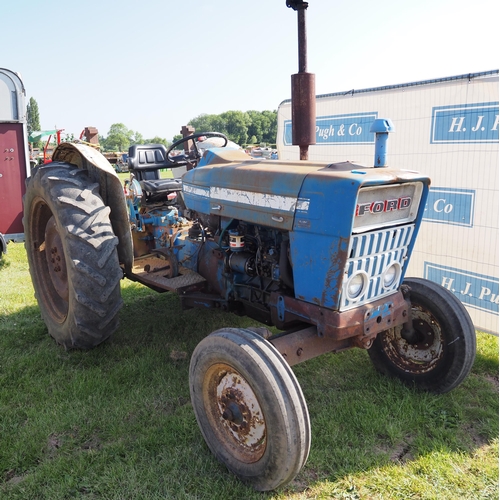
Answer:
x=249 y=407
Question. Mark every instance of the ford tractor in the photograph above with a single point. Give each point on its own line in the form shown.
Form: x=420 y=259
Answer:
x=318 y=251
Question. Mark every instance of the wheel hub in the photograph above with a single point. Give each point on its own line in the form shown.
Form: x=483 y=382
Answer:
x=56 y=263
x=232 y=413
x=422 y=351
x=236 y=414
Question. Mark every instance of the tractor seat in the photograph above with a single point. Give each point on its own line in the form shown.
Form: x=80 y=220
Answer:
x=161 y=185
x=145 y=161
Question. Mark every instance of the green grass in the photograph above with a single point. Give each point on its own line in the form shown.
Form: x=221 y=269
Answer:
x=117 y=423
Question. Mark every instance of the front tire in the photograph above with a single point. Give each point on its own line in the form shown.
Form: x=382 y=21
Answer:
x=249 y=407
x=442 y=349
x=72 y=255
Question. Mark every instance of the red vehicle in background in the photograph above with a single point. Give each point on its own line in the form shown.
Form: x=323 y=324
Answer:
x=14 y=159
x=48 y=149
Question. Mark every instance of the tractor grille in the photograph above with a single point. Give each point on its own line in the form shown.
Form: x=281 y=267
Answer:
x=371 y=254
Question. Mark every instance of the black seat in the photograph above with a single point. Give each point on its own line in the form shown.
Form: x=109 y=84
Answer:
x=145 y=161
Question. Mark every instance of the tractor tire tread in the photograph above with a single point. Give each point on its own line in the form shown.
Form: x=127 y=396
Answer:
x=91 y=254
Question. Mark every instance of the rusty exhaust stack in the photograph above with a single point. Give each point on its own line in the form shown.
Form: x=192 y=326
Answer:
x=303 y=89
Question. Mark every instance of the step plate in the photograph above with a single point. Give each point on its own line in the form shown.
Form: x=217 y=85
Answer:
x=159 y=278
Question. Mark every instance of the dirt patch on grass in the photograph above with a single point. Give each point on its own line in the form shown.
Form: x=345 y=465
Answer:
x=402 y=453
x=11 y=478
x=398 y=453
x=493 y=380
x=54 y=442
x=477 y=440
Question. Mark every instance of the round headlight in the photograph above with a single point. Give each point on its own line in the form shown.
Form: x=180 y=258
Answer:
x=356 y=285
x=391 y=275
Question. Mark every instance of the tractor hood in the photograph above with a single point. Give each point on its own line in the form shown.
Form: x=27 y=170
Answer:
x=231 y=184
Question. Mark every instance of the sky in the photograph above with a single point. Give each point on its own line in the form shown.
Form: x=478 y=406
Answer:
x=153 y=65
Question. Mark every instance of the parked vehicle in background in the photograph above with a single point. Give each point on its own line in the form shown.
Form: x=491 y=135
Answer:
x=14 y=159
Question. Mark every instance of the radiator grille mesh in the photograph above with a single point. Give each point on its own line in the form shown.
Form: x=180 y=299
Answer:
x=373 y=253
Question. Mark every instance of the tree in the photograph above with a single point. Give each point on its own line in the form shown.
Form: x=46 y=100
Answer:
x=119 y=138
x=257 y=125
x=236 y=125
x=205 y=123
x=33 y=118
x=270 y=131
x=68 y=138
x=264 y=126
x=239 y=126
x=158 y=140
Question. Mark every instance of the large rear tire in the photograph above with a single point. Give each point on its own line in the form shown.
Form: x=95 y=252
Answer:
x=250 y=408
x=72 y=255
x=441 y=351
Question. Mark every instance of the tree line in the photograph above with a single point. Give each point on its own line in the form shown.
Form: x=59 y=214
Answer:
x=242 y=127
x=245 y=128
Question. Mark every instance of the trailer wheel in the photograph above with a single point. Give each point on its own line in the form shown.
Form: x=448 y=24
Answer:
x=250 y=407
x=3 y=246
x=72 y=255
x=441 y=351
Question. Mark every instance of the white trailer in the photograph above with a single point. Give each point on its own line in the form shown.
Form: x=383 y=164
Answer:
x=446 y=128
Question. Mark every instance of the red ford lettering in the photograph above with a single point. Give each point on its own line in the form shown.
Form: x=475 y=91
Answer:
x=377 y=207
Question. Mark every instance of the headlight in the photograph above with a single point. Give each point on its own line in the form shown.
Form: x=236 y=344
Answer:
x=391 y=275
x=356 y=285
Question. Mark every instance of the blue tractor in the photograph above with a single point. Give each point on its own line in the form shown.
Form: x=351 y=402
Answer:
x=317 y=250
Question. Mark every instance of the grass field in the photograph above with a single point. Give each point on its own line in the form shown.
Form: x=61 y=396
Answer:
x=117 y=423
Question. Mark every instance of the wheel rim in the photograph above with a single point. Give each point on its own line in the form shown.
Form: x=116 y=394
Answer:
x=234 y=413
x=49 y=263
x=56 y=263
x=421 y=354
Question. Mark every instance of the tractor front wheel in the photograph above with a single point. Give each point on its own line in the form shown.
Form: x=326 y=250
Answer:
x=438 y=353
x=72 y=255
x=250 y=408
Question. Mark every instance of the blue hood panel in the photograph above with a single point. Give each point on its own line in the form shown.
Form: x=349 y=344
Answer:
x=236 y=186
x=272 y=192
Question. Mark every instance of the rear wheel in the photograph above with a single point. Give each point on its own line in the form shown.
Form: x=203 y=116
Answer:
x=440 y=351
x=250 y=408
x=72 y=255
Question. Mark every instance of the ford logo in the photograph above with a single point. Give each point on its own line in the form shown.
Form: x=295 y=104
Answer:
x=377 y=207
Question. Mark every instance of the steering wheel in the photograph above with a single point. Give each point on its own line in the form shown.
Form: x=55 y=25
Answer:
x=193 y=155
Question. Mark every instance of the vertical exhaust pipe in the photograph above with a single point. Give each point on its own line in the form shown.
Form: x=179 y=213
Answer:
x=303 y=89
x=381 y=127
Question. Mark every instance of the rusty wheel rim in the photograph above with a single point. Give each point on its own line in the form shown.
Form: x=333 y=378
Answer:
x=49 y=263
x=421 y=355
x=234 y=413
x=56 y=263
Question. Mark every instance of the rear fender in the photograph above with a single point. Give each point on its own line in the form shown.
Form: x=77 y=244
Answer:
x=110 y=189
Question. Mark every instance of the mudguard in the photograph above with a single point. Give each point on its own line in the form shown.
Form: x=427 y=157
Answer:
x=110 y=189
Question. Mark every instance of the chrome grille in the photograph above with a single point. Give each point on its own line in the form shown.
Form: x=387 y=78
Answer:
x=372 y=253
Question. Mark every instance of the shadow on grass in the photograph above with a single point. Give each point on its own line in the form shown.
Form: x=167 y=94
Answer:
x=137 y=384
x=3 y=262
